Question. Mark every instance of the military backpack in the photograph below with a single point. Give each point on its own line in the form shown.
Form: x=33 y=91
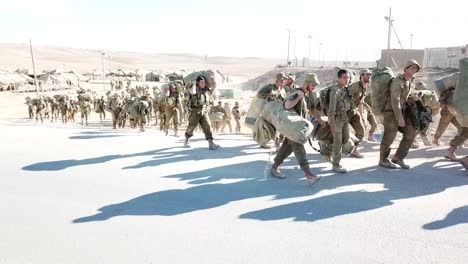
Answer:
x=381 y=80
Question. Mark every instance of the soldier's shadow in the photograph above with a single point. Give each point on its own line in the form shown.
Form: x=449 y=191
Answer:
x=250 y=184
x=396 y=184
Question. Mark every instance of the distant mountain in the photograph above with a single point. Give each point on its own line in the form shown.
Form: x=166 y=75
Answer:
x=15 y=55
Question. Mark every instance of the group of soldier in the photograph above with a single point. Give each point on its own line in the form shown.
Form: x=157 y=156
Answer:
x=170 y=105
x=349 y=105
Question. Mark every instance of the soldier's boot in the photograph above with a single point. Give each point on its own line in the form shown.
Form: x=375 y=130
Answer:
x=275 y=172
x=175 y=133
x=451 y=154
x=339 y=169
x=212 y=145
x=166 y=131
x=426 y=141
x=355 y=153
x=464 y=162
x=397 y=160
x=186 y=142
x=311 y=178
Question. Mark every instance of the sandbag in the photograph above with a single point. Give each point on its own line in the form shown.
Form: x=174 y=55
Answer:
x=254 y=111
x=449 y=81
x=216 y=116
x=431 y=100
x=262 y=131
x=208 y=74
x=287 y=122
x=85 y=97
x=460 y=98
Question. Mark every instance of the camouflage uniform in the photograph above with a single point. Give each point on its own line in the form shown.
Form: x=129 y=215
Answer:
x=278 y=95
x=290 y=146
x=172 y=103
x=340 y=103
x=198 y=106
x=40 y=109
x=394 y=108
x=446 y=99
x=217 y=124
x=357 y=92
x=237 y=116
x=115 y=107
x=227 y=118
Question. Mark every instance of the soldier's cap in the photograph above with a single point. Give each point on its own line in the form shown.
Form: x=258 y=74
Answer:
x=311 y=78
x=364 y=71
x=236 y=103
x=412 y=62
x=281 y=76
x=420 y=85
x=292 y=77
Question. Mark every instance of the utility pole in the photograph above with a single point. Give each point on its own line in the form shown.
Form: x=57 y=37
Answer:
x=389 y=19
x=34 y=67
x=103 y=72
x=294 y=51
x=289 y=42
x=308 y=58
x=318 y=58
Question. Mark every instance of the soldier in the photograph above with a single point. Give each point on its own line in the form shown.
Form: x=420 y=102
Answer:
x=295 y=100
x=198 y=104
x=357 y=90
x=447 y=114
x=40 y=109
x=290 y=85
x=456 y=142
x=172 y=102
x=340 y=103
x=371 y=120
x=100 y=107
x=237 y=116
x=217 y=111
x=115 y=107
x=395 y=120
x=274 y=92
x=227 y=117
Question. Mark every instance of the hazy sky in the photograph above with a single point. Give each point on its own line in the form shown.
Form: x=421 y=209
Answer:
x=256 y=28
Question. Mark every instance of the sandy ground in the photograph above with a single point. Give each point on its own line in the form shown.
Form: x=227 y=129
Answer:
x=73 y=194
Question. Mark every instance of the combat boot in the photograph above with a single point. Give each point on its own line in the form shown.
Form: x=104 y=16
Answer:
x=426 y=141
x=175 y=133
x=275 y=172
x=311 y=178
x=212 y=145
x=186 y=142
x=451 y=154
x=339 y=169
x=355 y=153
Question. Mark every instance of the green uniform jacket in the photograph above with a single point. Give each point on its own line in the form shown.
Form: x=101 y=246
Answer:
x=399 y=92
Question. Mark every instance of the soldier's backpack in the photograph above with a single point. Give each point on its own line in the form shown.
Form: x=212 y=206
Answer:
x=324 y=100
x=381 y=80
x=420 y=115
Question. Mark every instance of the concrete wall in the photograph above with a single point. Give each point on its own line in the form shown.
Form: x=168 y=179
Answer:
x=444 y=57
x=399 y=57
